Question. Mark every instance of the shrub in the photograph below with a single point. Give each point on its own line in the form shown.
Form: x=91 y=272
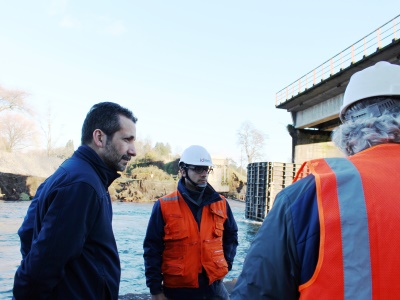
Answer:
x=24 y=197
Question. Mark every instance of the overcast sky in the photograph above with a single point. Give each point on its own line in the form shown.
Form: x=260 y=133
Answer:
x=191 y=71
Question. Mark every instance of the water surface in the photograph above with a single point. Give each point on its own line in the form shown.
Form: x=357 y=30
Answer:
x=129 y=222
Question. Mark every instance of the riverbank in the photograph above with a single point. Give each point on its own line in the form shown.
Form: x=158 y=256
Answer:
x=228 y=284
x=21 y=174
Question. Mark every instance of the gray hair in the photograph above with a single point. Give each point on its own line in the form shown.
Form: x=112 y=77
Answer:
x=371 y=107
x=355 y=136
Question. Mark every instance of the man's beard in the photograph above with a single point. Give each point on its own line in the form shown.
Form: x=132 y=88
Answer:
x=113 y=159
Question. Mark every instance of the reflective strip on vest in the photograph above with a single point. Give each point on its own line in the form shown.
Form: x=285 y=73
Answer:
x=353 y=217
x=170 y=198
x=344 y=224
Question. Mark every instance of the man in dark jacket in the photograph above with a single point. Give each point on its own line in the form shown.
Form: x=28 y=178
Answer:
x=191 y=238
x=67 y=242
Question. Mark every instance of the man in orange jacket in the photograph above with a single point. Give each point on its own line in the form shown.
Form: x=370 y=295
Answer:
x=335 y=233
x=191 y=237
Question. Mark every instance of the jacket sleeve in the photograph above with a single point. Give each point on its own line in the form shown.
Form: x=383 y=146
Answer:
x=230 y=238
x=153 y=247
x=270 y=269
x=66 y=217
x=25 y=232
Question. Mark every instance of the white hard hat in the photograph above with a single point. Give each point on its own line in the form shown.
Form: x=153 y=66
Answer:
x=197 y=156
x=381 y=79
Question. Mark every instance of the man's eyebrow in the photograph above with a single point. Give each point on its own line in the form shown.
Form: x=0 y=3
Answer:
x=131 y=137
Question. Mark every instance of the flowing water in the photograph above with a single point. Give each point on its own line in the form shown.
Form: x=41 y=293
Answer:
x=129 y=223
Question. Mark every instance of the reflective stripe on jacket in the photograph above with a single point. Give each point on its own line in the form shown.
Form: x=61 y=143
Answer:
x=359 y=214
x=187 y=250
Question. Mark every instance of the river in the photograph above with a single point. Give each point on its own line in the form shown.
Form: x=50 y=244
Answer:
x=129 y=223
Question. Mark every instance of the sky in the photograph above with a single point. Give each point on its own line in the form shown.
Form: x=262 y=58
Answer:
x=191 y=71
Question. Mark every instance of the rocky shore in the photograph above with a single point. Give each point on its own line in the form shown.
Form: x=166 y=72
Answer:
x=23 y=187
x=18 y=187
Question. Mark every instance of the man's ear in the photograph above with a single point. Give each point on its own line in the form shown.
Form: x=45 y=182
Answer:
x=183 y=172
x=99 y=138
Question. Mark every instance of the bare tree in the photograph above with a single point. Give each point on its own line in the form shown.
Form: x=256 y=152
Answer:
x=13 y=100
x=47 y=126
x=251 y=140
x=17 y=131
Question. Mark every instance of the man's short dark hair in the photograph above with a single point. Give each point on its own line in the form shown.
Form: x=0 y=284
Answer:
x=104 y=116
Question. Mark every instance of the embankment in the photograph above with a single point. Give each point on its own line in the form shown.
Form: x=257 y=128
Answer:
x=18 y=187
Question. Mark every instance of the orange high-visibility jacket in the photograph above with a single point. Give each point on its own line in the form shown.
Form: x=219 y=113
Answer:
x=187 y=250
x=359 y=213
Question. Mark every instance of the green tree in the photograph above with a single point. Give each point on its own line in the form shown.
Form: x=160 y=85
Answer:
x=172 y=167
x=163 y=150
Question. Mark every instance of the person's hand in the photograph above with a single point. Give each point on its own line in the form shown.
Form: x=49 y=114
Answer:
x=160 y=296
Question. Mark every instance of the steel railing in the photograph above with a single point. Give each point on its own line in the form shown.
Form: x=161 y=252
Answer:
x=366 y=46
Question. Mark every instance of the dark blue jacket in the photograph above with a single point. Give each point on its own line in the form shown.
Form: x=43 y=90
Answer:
x=284 y=252
x=154 y=246
x=67 y=242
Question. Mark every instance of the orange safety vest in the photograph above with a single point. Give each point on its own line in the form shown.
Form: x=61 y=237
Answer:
x=359 y=215
x=186 y=250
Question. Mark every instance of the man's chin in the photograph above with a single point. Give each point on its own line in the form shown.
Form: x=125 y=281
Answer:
x=123 y=163
x=121 y=167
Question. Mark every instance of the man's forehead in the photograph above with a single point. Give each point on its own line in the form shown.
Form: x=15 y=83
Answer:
x=128 y=129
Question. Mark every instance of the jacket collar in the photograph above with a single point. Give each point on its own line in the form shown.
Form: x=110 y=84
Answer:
x=209 y=196
x=106 y=174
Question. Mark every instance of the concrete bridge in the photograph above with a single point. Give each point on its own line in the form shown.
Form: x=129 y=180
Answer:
x=314 y=99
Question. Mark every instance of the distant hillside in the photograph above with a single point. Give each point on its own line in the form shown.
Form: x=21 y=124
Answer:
x=39 y=165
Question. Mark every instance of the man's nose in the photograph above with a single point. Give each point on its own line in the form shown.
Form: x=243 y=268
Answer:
x=132 y=150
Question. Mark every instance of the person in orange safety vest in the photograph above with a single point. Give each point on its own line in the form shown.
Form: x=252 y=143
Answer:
x=191 y=238
x=334 y=234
